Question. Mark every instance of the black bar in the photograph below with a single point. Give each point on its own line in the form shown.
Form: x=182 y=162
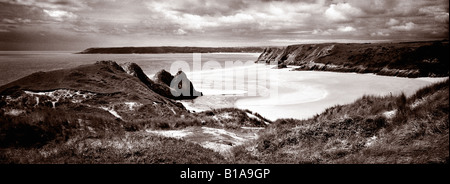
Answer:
x=240 y=173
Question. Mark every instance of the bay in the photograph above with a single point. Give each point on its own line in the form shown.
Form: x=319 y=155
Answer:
x=273 y=93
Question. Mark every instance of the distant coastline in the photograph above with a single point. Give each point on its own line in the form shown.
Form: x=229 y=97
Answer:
x=169 y=49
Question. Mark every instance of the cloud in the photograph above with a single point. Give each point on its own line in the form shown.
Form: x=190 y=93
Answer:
x=9 y=21
x=180 y=32
x=200 y=7
x=443 y=18
x=346 y=29
x=321 y=32
x=50 y=4
x=392 y=22
x=342 y=12
x=86 y=29
x=405 y=27
x=379 y=34
x=432 y=10
x=240 y=22
x=59 y=14
x=237 y=18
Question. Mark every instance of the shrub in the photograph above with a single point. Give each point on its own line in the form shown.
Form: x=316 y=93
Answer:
x=401 y=102
x=131 y=127
x=402 y=110
x=163 y=125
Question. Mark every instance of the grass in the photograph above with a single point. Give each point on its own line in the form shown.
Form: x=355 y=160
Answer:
x=161 y=123
x=233 y=118
x=79 y=133
x=46 y=124
x=117 y=147
x=51 y=136
x=82 y=134
x=360 y=133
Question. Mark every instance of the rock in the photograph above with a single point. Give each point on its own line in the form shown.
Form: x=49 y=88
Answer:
x=180 y=86
x=184 y=89
x=184 y=86
x=110 y=63
x=163 y=77
x=134 y=70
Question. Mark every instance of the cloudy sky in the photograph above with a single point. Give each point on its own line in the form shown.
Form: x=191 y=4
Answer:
x=77 y=24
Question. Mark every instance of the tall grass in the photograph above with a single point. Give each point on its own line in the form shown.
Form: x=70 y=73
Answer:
x=361 y=133
x=115 y=147
x=48 y=135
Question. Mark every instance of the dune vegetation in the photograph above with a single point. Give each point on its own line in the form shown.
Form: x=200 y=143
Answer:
x=388 y=129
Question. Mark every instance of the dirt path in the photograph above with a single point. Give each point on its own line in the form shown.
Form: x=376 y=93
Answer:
x=219 y=140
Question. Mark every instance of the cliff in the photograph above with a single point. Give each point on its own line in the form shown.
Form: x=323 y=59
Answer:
x=409 y=59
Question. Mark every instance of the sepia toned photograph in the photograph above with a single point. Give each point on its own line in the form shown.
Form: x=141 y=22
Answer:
x=224 y=82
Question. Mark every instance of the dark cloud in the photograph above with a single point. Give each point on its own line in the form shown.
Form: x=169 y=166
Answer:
x=208 y=7
x=52 y=23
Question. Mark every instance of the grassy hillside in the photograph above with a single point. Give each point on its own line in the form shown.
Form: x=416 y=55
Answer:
x=52 y=136
x=101 y=85
x=390 y=129
x=99 y=113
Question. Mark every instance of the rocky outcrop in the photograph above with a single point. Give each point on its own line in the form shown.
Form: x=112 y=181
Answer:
x=180 y=86
x=163 y=77
x=411 y=59
x=134 y=70
x=162 y=84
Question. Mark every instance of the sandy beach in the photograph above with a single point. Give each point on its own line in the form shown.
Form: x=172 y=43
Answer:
x=301 y=94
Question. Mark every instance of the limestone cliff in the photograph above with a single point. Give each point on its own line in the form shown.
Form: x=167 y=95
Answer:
x=409 y=59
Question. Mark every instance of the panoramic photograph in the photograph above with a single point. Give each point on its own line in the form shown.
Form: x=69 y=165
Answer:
x=224 y=82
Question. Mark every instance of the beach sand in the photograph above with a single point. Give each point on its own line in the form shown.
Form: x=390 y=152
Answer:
x=295 y=94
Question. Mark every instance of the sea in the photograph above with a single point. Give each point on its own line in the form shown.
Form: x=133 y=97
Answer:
x=18 y=64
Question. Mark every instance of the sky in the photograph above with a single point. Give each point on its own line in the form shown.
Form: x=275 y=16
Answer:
x=77 y=25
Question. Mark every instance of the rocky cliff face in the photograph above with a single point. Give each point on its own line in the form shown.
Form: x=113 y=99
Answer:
x=412 y=59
